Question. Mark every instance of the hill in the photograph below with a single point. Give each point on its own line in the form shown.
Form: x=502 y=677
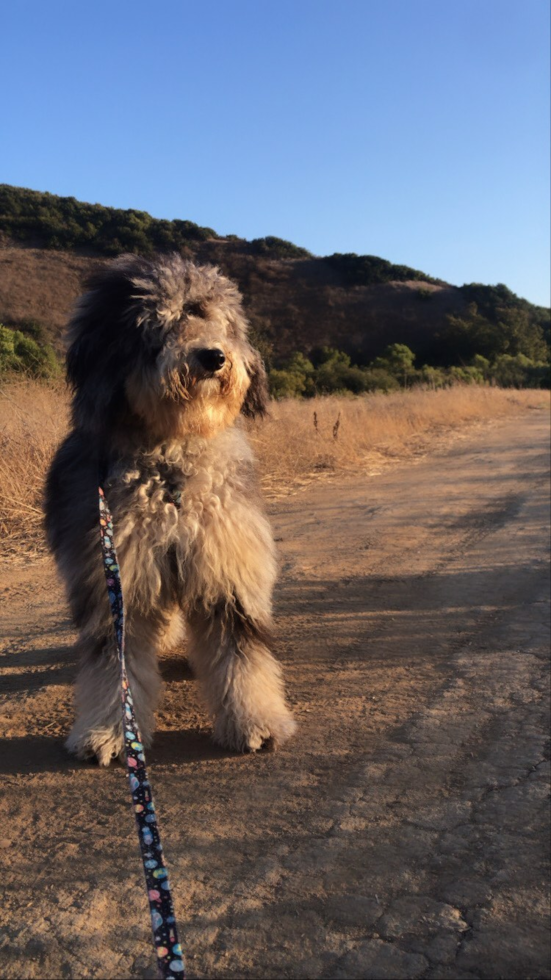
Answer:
x=295 y=301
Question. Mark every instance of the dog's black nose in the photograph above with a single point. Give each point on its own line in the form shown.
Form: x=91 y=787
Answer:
x=211 y=359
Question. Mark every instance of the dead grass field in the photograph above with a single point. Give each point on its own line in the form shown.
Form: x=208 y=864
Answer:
x=300 y=441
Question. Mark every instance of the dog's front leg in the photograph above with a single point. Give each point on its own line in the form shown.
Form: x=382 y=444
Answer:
x=240 y=678
x=97 y=730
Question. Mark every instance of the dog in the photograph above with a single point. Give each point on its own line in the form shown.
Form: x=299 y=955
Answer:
x=161 y=372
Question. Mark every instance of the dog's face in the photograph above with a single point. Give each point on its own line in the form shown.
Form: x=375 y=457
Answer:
x=162 y=342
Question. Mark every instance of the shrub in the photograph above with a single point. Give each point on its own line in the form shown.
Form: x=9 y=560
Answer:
x=432 y=377
x=298 y=363
x=321 y=355
x=329 y=371
x=286 y=384
x=466 y=375
x=397 y=360
x=370 y=270
x=20 y=353
x=520 y=372
x=482 y=364
x=63 y=222
x=294 y=378
x=508 y=330
x=270 y=245
x=379 y=379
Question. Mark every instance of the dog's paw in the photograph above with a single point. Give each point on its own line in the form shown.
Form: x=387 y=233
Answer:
x=103 y=744
x=246 y=734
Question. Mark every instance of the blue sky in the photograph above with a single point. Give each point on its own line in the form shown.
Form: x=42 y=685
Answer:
x=416 y=130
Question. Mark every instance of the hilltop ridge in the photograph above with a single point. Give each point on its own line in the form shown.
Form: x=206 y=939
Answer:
x=295 y=301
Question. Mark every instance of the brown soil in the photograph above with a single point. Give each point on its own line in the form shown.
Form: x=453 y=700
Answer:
x=293 y=304
x=39 y=285
x=400 y=834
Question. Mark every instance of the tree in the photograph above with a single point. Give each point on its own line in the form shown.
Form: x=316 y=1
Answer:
x=21 y=353
x=466 y=375
x=298 y=363
x=330 y=376
x=513 y=331
x=433 y=377
x=294 y=378
x=522 y=335
x=519 y=371
x=379 y=379
x=398 y=360
x=271 y=245
x=286 y=384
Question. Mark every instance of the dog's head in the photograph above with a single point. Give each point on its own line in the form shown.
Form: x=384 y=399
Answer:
x=162 y=344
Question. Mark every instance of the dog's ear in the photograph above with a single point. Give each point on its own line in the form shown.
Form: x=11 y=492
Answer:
x=102 y=343
x=256 y=399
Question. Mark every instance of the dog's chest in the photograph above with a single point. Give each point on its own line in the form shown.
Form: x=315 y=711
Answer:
x=169 y=504
x=193 y=525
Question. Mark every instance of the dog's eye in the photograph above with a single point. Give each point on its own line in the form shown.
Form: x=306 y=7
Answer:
x=194 y=309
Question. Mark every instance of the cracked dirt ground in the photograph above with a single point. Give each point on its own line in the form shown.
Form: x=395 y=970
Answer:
x=402 y=833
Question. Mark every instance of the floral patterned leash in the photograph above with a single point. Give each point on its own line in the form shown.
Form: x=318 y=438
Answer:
x=163 y=923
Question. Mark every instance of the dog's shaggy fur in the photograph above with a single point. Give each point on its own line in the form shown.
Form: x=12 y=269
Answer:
x=161 y=368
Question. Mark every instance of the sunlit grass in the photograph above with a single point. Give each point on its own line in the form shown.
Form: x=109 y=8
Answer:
x=299 y=442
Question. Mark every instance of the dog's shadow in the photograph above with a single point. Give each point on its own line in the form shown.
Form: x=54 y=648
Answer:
x=46 y=753
x=186 y=746
x=175 y=668
x=27 y=754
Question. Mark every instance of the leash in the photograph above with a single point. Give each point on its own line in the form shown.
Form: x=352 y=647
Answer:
x=163 y=923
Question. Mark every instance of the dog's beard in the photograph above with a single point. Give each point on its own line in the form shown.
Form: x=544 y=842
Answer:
x=181 y=402
x=183 y=383
x=212 y=404
x=176 y=386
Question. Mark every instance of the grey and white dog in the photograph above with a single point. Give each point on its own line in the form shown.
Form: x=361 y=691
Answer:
x=161 y=369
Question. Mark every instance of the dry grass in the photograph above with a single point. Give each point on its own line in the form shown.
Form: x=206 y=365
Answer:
x=301 y=441
x=292 y=450
x=33 y=422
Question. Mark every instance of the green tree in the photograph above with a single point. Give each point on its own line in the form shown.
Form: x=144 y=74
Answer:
x=513 y=331
x=332 y=371
x=433 y=377
x=522 y=335
x=466 y=375
x=518 y=371
x=397 y=360
x=321 y=355
x=286 y=384
x=20 y=353
x=271 y=245
x=298 y=363
x=7 y=349
x=482 y=365
x=379 y=379
x=369 y=270
x=294 y=378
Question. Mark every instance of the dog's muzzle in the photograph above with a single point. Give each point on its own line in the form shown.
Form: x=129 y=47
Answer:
x=211 y=359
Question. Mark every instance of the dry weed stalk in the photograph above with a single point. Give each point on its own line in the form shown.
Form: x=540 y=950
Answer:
x=348 y=434
x=372 y=430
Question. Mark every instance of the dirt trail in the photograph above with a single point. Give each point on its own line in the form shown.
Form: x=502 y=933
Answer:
x=400 y=834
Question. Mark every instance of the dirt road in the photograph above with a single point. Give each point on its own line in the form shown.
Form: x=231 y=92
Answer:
x=400 y=834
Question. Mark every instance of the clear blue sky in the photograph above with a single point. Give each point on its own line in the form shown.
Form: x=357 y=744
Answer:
x=417 y=130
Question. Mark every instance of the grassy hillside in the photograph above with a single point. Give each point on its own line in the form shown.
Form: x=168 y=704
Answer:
x=296 y=302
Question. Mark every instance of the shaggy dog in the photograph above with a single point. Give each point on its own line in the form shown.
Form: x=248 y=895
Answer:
x=161 y=368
